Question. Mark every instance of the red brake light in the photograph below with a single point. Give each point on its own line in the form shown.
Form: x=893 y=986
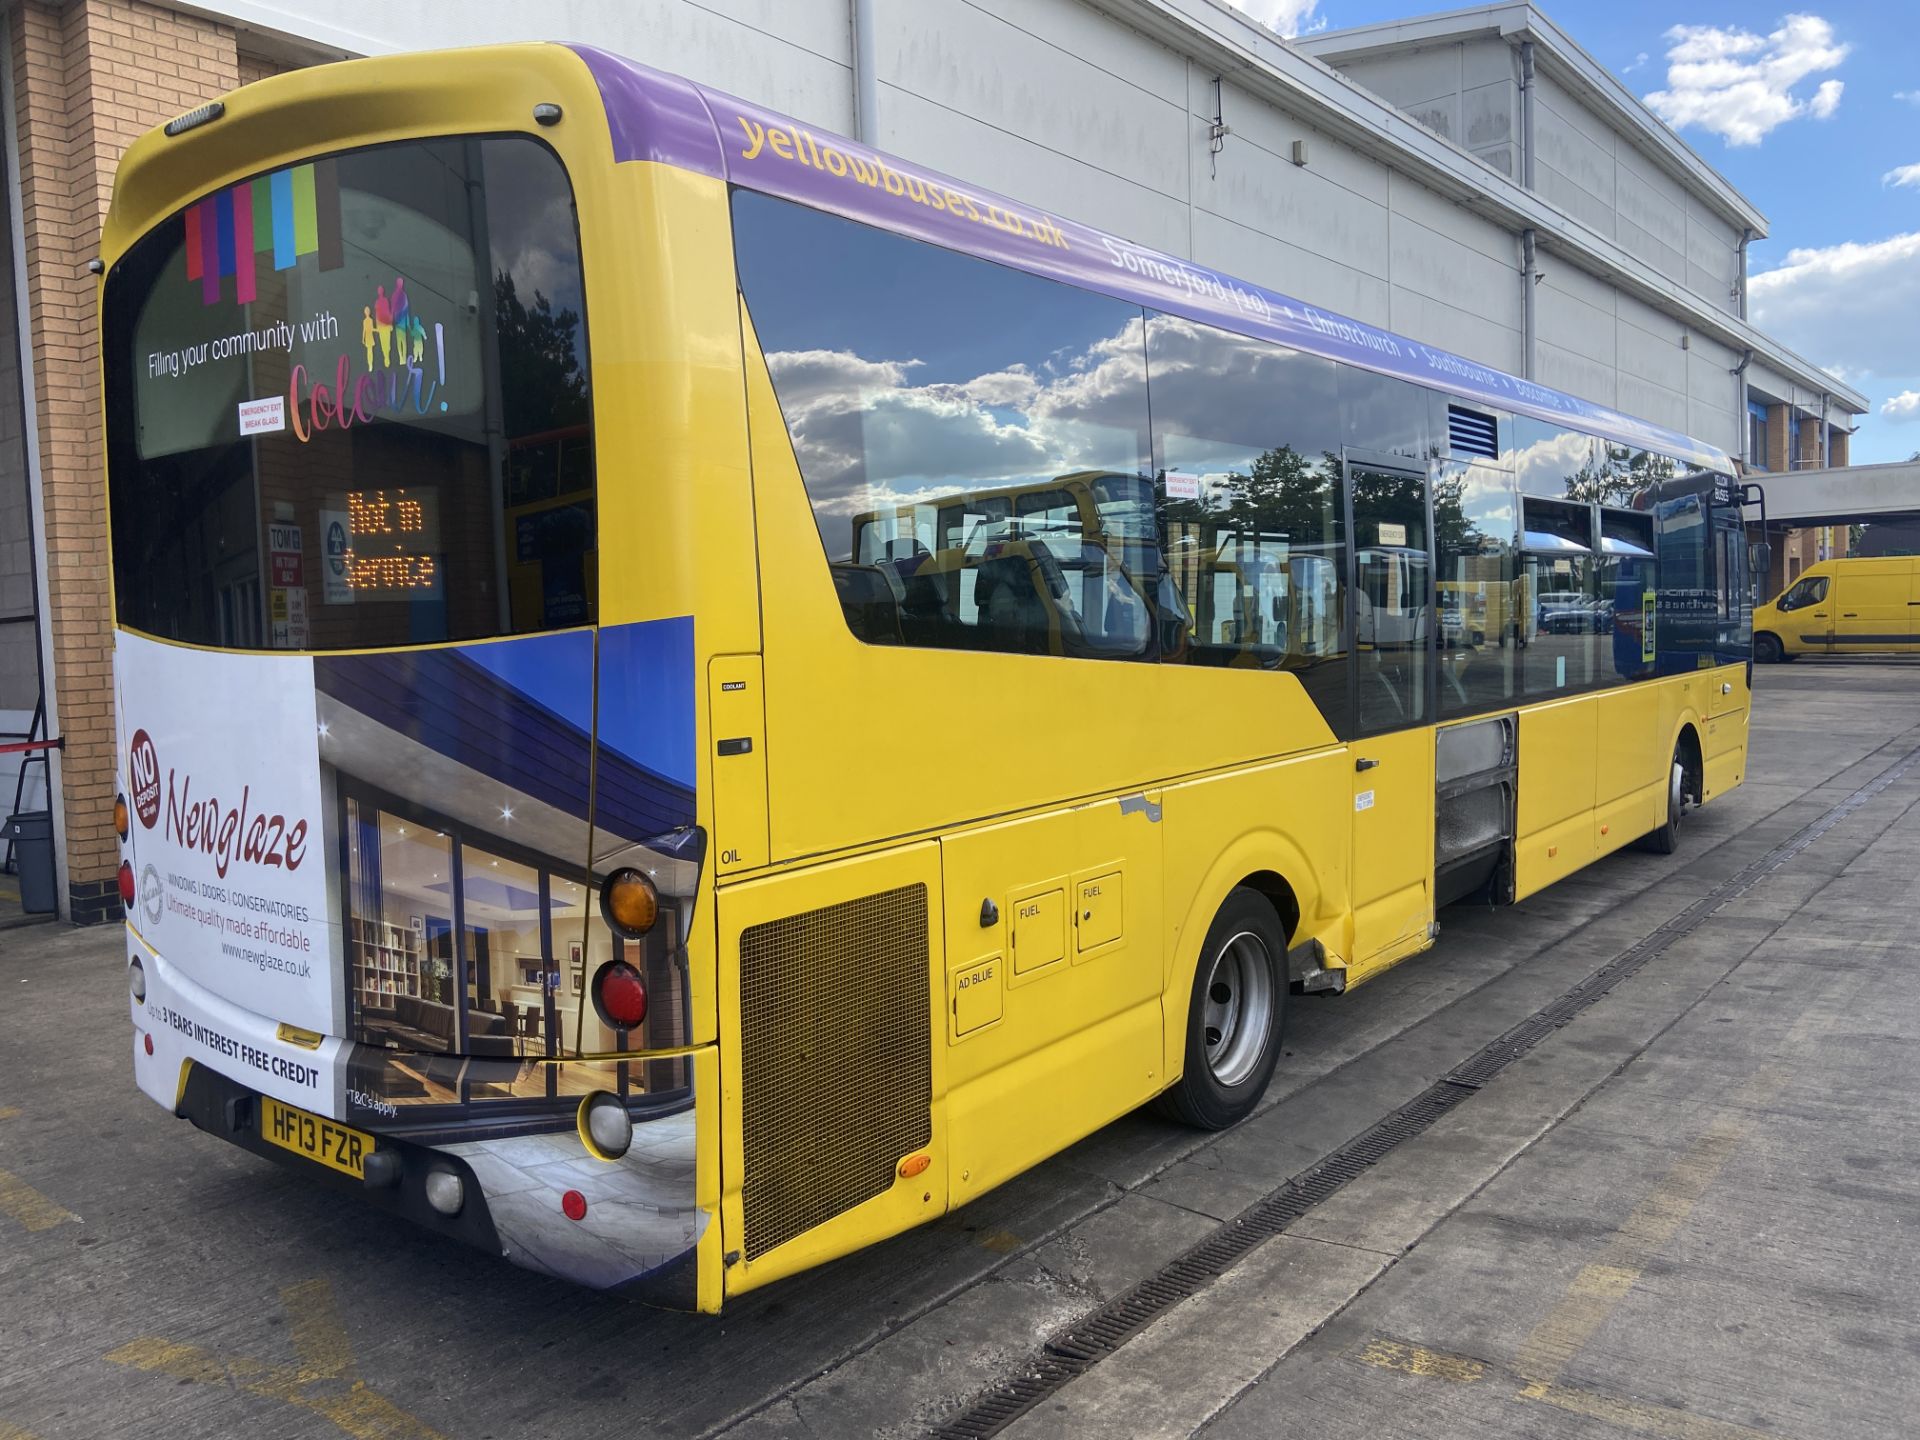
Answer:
x=620 y=994
x=126 y=883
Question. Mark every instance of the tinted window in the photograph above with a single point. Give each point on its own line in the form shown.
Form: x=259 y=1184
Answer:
x=347 y=405
x=1378 y=412
x=1626 y=591
x=1246 y=448
x=973 y=439
x=1565 y=613
x=1392 y=597
x=1476 y=523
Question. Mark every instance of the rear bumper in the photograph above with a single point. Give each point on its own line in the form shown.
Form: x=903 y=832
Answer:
x=209 y=1062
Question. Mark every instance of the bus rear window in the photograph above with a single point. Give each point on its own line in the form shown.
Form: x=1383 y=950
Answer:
x=347 y=405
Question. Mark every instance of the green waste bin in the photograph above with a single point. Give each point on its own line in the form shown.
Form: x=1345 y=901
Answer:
x=31 y=832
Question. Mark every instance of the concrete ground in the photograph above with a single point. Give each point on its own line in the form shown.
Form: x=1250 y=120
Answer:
x=1688 y=1213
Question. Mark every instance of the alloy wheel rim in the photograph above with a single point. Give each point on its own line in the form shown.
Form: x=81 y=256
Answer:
x=1237 y=1008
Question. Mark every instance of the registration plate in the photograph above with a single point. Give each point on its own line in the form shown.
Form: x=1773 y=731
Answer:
x=331 y=1144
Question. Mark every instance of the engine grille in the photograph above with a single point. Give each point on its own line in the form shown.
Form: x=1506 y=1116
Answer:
x=836 y=1059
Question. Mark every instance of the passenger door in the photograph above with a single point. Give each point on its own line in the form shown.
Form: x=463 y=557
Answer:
x=1869 y=602
x=1390 y=552
x=1913 y=605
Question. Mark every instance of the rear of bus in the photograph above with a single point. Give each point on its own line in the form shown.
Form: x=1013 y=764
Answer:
x=409 y=801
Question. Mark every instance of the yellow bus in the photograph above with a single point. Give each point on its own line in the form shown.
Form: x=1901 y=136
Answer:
x=681 y=912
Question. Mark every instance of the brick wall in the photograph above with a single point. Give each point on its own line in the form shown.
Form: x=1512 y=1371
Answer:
x=89 y=76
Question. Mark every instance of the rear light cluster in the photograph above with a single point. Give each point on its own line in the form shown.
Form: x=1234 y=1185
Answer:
x=122 y=824
x=630 y=904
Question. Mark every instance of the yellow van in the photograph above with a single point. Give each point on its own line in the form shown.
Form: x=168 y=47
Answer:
x=1843 y=607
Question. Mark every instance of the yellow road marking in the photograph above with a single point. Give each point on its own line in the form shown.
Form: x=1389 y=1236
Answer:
x=1602 y=1285
x=326 y=1363
x=14 y=1432
x=20 y=1201
x=1664 y=1421
x=1647 y=1418
x=1419 y=1360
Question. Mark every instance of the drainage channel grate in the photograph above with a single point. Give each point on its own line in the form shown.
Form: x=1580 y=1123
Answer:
x=1090 y=1340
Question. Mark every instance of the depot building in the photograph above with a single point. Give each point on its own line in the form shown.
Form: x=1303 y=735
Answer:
x=1473 y=180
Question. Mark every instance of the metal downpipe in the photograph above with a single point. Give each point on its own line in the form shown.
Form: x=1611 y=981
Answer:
x=866 y=82
x=1530 y=328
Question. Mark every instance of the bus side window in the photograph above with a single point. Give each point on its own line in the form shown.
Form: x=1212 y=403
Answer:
x=964 y=417
x=1250 y=519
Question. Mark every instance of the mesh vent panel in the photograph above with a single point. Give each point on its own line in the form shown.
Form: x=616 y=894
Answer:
x=836 y=1059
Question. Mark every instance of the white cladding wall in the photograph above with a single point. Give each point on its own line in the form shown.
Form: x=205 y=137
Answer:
x=1057 y=104
x=1590 y=170
x=1465 y=90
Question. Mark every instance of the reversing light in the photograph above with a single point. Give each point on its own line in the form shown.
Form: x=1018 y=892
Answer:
x=629 y=903
x=126 y=883
x=446 y=1191
x=620 y=995
x=121 y=821
x=606 y=1129
x=137 y=982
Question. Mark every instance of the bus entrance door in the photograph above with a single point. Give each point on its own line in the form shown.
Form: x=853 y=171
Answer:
x=1389 y=535
x=1392 y=848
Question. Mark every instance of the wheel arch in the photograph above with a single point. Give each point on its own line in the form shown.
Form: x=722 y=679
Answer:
x=1264 y=861
x=1686 y=744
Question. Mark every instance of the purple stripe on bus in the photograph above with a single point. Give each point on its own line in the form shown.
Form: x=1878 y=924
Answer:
x=655 y=116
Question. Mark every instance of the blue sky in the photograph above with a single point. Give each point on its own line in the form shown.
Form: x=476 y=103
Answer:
x=1812 y=111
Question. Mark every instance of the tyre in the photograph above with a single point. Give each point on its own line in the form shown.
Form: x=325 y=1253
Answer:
x=1666 y=839
x=1234 y=1018
x=1768 y=650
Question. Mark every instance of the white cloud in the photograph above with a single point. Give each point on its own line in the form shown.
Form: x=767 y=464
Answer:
x=1638 y=61
x=1288 y=17
x=1857 y=303
x=1740 y=85
x=1856 y=308
x=1903 y=175
x=1912 y=97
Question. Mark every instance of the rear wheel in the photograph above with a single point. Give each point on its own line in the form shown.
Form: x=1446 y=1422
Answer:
x=1768 y=650
x=1234 y=1017
x=1666 y=839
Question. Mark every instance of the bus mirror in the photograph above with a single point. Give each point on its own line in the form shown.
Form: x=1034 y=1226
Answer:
x=1762 y=567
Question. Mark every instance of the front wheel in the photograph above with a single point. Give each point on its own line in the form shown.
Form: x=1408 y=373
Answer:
x=1768 y=650
x=1234 y=1017
x=1666 y=839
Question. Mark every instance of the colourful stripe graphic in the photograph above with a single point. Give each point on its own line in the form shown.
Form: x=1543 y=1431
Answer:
x=293 y=212
x=240 y=202
x=283 y=254
x=193 y=242
x=306 y=232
